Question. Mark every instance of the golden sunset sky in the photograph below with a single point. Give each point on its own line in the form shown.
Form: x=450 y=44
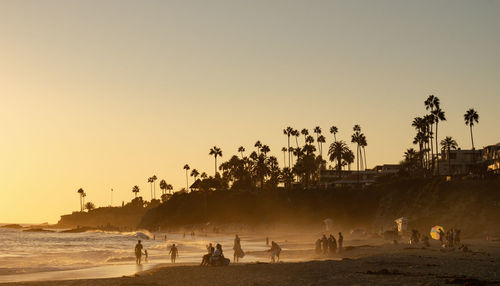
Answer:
x=104 y=94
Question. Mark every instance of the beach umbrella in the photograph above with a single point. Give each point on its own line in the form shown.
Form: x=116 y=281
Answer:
x=435 y=231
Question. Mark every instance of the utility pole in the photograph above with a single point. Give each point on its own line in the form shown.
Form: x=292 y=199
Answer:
x=111 y=198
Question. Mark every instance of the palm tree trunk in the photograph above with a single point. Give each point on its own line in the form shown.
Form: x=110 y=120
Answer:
x=432 y=150
x=284 y=159
x=357 y=160
x=364 y=154
x=289 y=159
x=151 y=185
x=339 y=166
x=437 y=155
x=471 y=137
x=297 y=141
x=187 y=182
x=449 y=162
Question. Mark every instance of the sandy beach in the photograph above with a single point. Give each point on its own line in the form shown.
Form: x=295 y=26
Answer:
x=362 y=262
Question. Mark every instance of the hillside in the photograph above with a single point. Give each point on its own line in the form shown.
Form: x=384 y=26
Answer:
x=470 y=205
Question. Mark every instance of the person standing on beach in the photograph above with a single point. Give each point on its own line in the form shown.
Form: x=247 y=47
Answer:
x=324 y=243
x=341 y=241
x=174 y=253
x=138 y=252
x=238 y=252
x=333 y=244
x=318 y=246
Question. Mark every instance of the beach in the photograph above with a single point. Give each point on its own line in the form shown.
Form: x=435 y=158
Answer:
x=362 y=262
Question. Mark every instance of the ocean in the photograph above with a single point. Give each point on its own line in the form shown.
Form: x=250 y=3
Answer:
x=26 y=256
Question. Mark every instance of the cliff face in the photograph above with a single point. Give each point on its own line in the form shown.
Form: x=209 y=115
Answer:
x=111 y=217
x=473 y=206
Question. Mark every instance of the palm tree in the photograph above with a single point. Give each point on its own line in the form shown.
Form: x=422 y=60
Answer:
x=304 y=132
x=284 y=156
x=186 y=167
x=309 y=139
x=321 y=140
x=336 y=152
x=241 y=149
x=470 y=117
x=81 y=192
x=150 y=181
x=203 y=176
x=438 y=116
x=296 y=133
x=265 y=149
x=355 y=138
x=195 y=174
x=363 y=143
x=258 y=145
x=410 y=154
x=317 y=130
x=288 y=132
x=432 y=102
x=216 y=151
x=163 y=186
x=135 y=190
x=169 y=188
x=154 y=178
x=447 y=144
x=334 y=130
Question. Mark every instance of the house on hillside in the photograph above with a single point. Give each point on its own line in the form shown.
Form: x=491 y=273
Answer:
x=491 y=157
x=458 y=162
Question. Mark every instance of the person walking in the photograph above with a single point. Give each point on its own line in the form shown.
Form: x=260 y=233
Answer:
x=138 y=252
x=174 y=253
x=341 y=241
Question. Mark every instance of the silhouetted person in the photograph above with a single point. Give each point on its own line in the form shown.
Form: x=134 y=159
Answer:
x=318 y=246
x=206 y=258
x=238 y=252
x=457 y=237
x=267 y=241
x=138 y=252
x=441 y=236
x=218 y=256
x=324 y=244
x=341 y=241
x=332 y=244
x=174 y=253
x=425 y=240
x=145 y=255
x=275 y=251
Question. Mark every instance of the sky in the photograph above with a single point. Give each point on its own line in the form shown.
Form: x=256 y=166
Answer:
x=101 y=95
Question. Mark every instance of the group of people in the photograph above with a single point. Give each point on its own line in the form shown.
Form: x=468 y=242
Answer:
x=329 y=245
x=174 y=253
x=215 y=256
x=450 y=238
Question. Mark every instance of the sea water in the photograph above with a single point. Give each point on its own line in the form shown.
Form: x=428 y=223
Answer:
x=28 y=256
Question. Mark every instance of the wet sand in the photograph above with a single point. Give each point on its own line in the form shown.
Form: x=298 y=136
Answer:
x=361 y=263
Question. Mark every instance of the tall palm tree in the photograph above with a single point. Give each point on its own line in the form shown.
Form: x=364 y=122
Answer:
x=321 y=140
x=288 y=132
x=430 y=120
x=355 y=138
x=241 y=149
x=216 y=152
x=81 y=192
x=284 y=156
x=363 y=143
x=296 y=133
x=447 y=144
x=195 y=174
x=163 y=186
x=186 y=167
x=470 y=117
x=438 y=116
x=135 y=190
x=305 y=132
x=336 y=151
x=432 y=102
x=334 y=130
x=150 y=181
x=154 y=178
x=309 y=139
x=317 y=130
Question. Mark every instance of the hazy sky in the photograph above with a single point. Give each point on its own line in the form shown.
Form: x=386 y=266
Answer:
x=104 y=94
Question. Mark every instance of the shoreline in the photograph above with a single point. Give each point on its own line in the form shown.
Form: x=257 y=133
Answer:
x=381 y=264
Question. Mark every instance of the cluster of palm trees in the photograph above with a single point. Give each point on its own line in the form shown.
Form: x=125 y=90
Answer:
x=426 y=138
x=259 y=170
x=82 y=196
